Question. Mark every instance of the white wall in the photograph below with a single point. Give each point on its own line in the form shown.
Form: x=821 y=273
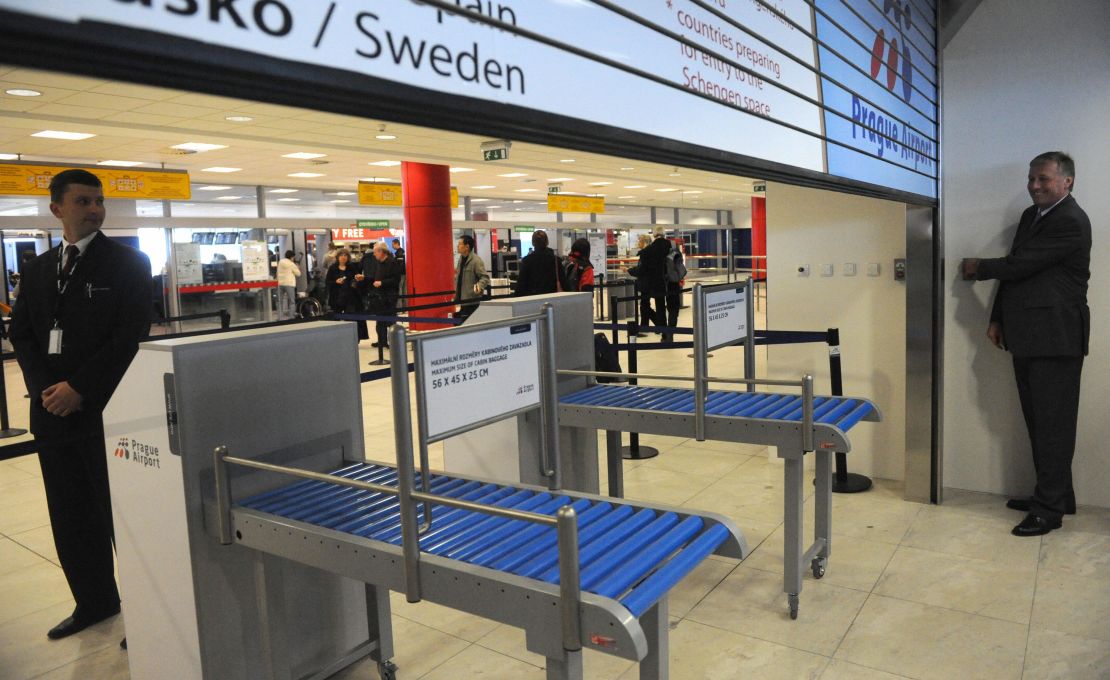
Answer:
x=1021 y=77
x=807 y=226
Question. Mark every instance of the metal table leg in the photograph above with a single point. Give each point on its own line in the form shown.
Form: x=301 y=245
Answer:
x=656 y=666
x=615 y=463
x=822 y=501
x=792 y=532
x=568 y=667
x=380 y=626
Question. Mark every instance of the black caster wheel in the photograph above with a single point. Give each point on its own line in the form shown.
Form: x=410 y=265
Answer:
x=387 y=670
x=818 y=567
x=793 y=599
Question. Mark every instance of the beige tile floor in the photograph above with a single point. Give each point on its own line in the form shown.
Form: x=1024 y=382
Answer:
x=912 y=591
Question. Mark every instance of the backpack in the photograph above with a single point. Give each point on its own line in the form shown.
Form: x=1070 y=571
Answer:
x=606 y=358
x=676 y=270
x=570 y=274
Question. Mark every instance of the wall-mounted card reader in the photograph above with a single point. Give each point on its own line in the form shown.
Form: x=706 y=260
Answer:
x=900 y=269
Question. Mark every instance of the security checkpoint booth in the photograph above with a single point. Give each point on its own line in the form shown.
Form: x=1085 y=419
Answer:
x=255 y=544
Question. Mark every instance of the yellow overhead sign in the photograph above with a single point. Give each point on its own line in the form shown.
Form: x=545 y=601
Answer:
x=378 y=193
x=25 y=179
x=575 y=204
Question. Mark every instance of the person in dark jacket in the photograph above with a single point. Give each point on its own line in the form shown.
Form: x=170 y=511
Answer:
x=674 y=292
x=652 y=279
x=579 y=268
x=381 y=280
x=343 y=293
x=539 y=270
x=1040 y=315
x=76 y=326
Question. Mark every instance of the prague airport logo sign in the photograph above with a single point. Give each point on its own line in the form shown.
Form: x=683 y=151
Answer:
x=137 y=452
x=900 y=13
x=122 y=449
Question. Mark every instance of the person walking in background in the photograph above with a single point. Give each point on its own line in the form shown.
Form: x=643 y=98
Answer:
x=76 y=326
x=287 y=273
x=539 y=270
x=343 y=294
x=399 y=253
x=653 y=277
x=578 y=271
x=1040 y=316
x=382 y=277
x=471 y=279
x=675 y=270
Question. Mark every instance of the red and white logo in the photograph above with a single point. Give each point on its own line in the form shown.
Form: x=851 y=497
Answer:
x=896 y=50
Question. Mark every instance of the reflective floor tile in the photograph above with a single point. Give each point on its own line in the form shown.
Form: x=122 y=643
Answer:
x=978 y=537
x=1077 y=552
x=451 y=621
x=1059 y=656
x=926 y=642
x=685 y=459
x=751 y=602
x=699 y=652
x=663 y=486
x=26 y=652
x=697 y=584
x=479 y=662
x=975 y=586
x=855 y=563
x=31 y=589
x=1072 y=604
x=109 y=663
x=510 y=641
x=842 y=670
x=417 y=650
x=40 y=541
x=14 y=557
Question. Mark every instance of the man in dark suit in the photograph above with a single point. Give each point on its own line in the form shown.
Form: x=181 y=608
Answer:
x=539 y=270
x=1040 y=315
x=652 y=277
x=381 y=278
x=82 y=309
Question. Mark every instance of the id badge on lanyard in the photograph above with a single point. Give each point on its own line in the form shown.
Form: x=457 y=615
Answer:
x=54 y=341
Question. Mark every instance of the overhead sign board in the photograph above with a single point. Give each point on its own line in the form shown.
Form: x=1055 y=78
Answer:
x=28 y=179
x=495 y=154
x=575 y=204
x=481 y=375
x=389 y=193
x=811 y=84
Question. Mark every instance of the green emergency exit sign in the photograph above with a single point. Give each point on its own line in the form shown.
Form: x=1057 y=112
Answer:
x=495 y=154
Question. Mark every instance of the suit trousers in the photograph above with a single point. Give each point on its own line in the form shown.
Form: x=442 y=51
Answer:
x=75 y=474
x=1049 y=391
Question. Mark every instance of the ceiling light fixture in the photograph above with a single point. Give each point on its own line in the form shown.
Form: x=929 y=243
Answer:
x=305 y=174
x=666 y=190
x=214 y=187
x=462 y=170
x=340 y=200
x=220 y=168
x=238 y=119
x=484 y=186
x=560 y=179
x=624 y=197
x=635 y=186
x=345 y=193
x=61 y=134
x=227 y=198
x=120 y=164
x=385 y=137
x=525 y=191
x=627 y=168
x=514 y=174
x=692 y=191
x=303 y=155
x=600 y=184
x=288 y=200
x=9 y=156
x=385 y=164
x=479 y=200
x=283 y=191
x=567 y=160
x=23 y=92
x=198 y=147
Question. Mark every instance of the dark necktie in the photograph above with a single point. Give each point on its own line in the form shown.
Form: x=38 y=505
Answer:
x=72 y=253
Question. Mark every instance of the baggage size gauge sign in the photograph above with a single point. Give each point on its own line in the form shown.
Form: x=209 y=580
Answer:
x=479 y=376
x=726 y=315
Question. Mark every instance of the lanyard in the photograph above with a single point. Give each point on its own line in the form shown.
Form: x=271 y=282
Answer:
x=63 y=286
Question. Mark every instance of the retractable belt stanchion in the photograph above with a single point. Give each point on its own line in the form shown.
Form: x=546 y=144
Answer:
x=843 y=481
x=634 y=451
x=6 y=430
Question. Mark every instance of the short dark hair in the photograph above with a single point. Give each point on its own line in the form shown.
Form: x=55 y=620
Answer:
x=582 y=247
x=397 y=242
x=61 y=181
x=539 y=239
x=468 y=241
x=1064 y=163
x=289 y=254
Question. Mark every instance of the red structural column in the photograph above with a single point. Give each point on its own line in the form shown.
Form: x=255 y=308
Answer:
x=759 y=238
x=429 y=259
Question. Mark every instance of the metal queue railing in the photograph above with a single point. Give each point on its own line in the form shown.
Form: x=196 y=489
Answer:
x=564 y=522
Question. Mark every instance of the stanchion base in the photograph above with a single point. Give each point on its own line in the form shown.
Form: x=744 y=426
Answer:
x=379 y=362
x=854 y=483
x=11 y=432
x=641 y=453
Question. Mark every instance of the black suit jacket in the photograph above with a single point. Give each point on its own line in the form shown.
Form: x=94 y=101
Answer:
x=653 y=266
x=389 y=272
x=103 y=314
x=1041 y=302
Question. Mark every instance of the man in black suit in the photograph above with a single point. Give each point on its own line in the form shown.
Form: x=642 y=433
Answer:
x=81 y=311
x=1040 y=315
x=652 y=277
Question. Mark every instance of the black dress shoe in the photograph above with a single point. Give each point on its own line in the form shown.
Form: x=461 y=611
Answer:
x=123 y=644
x=1023 y=504
x=73 y=625
x=1033 y=525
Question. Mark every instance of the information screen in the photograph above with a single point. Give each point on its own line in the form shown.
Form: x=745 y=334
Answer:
x=843 y=87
